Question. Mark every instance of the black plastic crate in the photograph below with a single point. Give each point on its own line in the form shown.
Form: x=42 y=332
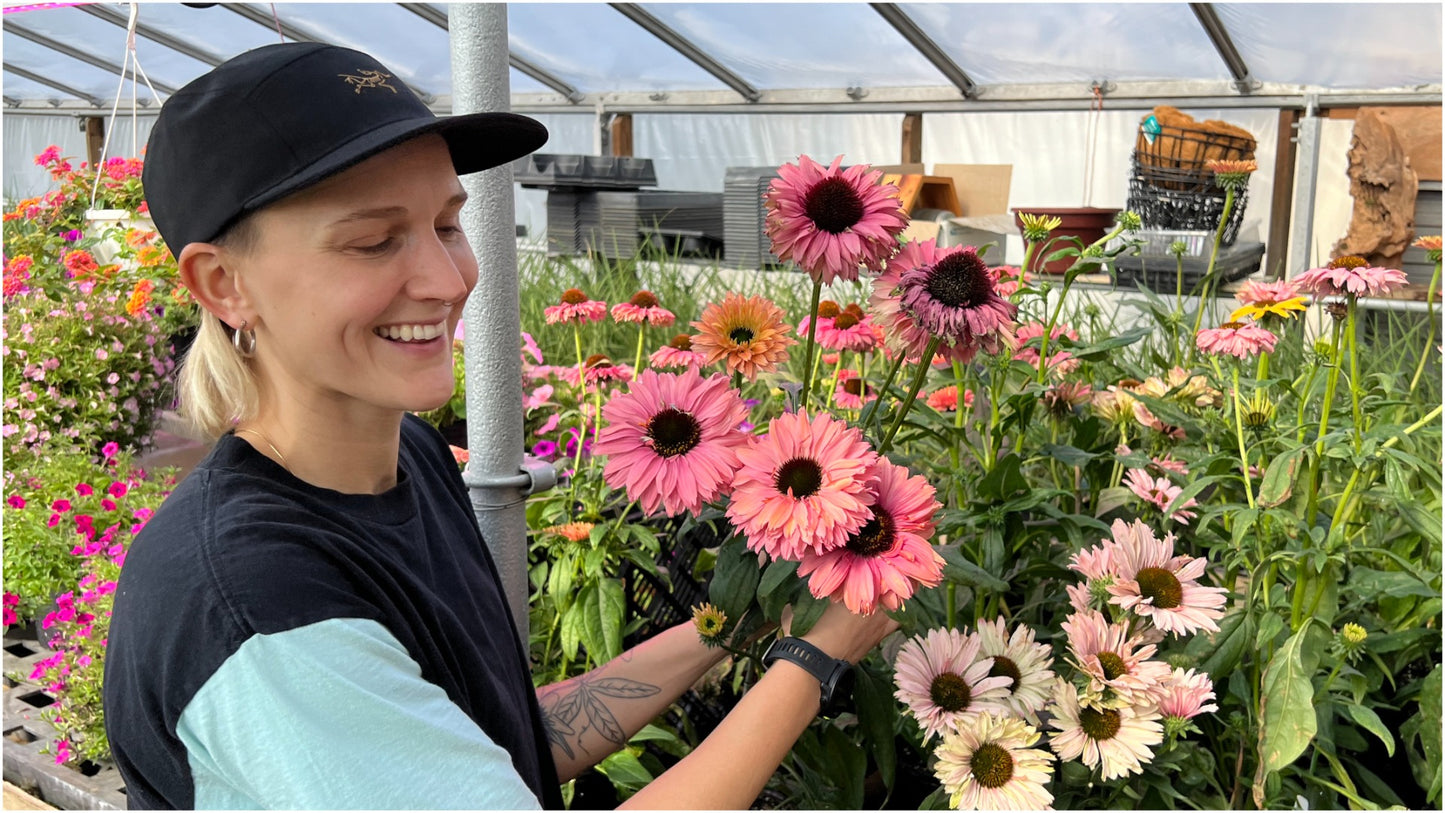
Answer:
x=1160 y=274
x=1173 y=209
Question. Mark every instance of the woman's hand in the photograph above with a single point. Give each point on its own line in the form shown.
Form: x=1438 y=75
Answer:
x=842 y=634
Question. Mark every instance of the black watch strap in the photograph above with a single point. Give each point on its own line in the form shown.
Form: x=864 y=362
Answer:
x=835 y=676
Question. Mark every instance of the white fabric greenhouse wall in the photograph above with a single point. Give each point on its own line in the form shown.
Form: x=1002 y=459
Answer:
x=28 y=135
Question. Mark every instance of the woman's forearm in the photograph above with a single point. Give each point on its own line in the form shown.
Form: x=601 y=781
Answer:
x=590 y=716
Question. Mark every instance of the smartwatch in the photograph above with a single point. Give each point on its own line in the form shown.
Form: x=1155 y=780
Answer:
x=835 y=676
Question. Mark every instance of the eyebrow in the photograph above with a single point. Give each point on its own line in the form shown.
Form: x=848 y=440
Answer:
x=383 y=212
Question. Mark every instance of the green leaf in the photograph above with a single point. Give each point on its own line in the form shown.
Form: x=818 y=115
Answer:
x=661 y=738
x=1106 y=348
x=572 y=629
x=959 y=570
x=735 y=579
x=1111 y=499
x=1430 y=728
x=625 y=772
x=1368 y=582
x=1269 y=629
x=846 y=763
x=1192 y=490
x=611 y=607
x=1367 y=719
x=1235 y=633
x=878 y=719
x=775 y=574
x=1004 y=481
x=1288 y=721
x=1068 y=455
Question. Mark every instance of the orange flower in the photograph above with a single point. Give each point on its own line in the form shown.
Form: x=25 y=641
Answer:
x=572 y=531
x=140 y=298
x=748 y=335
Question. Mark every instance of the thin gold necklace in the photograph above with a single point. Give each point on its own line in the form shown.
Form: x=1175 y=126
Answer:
x=258 y=433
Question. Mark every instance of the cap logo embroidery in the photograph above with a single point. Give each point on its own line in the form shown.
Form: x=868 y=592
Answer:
x=368 y=78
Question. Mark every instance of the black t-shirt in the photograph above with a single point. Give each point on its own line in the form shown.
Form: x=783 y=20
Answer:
x=242 y=552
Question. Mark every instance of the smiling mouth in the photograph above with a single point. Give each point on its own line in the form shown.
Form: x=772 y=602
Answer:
x=414 y=334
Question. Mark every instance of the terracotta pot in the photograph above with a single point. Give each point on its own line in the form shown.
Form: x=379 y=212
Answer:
x=1086 y=223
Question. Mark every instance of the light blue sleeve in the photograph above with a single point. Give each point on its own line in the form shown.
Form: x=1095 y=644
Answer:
x=336 y=715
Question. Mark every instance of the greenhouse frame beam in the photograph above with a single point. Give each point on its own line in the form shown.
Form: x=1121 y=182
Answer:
x=150 y=32
x=438 y=17
x=51 y=83
x=687 y=48
x=925 y=45
x=1224 y=44
x=76 y=53
x=291 y=31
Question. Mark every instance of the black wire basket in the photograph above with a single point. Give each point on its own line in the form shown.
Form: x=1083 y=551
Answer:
x=1161 y=208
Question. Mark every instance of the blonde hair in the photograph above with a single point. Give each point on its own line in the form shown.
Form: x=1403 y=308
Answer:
x=216 y=387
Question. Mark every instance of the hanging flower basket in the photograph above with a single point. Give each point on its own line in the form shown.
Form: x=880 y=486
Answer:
x=108 y=227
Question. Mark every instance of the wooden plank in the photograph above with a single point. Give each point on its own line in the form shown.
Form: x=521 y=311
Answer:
x=94 y=138
x=912 y=150
x=17 y=799
x=622 y=135
x=1282 y=196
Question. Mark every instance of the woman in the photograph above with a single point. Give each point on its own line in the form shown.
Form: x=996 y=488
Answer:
x=311 y=619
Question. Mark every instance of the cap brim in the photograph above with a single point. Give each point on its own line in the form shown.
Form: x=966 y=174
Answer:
x=477 y=141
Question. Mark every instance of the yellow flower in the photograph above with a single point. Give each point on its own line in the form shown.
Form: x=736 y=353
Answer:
x=710 y=623
x=1285 y=309
x=1038 y=227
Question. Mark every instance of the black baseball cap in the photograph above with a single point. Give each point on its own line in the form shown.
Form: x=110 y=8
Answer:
x=284 y=117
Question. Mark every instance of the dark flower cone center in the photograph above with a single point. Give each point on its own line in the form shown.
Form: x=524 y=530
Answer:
x=1113 y=665
x=950 y=692
x=855 y=310
x=681 y=341
x=828 y=309
x=875 y=537
x=709 y=625
x=991 y=765
x=853 y=386
x=833 y=205
x=597 y=360
x=1099 y=725
x=644 y=299
x=673 y=432
x=845 y=320
x=1349 y=261
x=801 y=475
x=1162 y=586
x=573 y=296
x=741 y=335
x=960 y=280
x=1005 y=667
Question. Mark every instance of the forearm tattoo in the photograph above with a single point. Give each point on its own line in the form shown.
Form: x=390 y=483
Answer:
x=573 y=708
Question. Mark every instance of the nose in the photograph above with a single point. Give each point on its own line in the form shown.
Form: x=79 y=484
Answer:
x=443 y=270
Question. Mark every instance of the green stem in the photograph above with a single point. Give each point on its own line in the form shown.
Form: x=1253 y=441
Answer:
x=1263 y=369
x=877 y=404
x=951 y=611
x=907 y=403
x=1239 y=435
x=1429 y=330
x=581 y=412
x=1355 y=375
x=1029 y=248
x=833 y=385
x=1209 y=271
x=1178 y=309
x=637 y=365
x=1341 y=515
x=1331 y=383
x=808 y=354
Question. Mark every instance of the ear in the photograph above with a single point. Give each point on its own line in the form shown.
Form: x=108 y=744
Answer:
x=209 y=271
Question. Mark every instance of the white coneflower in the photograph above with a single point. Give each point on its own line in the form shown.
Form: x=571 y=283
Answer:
x=988 y=764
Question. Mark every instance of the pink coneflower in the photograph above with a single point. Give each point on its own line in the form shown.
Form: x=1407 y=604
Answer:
x=1259 y=299
x=954 y=299
x=672 y=440
x=1117 y=741
x=988 y=764
x=677 y=353
x=575 y=307
x=1062 y=362
x=1116 y=663
x=832 y=221
x=747 y=334
x=943 y=681
x=848 y=331
x=1008 y=279
x=1350 y=276
x=1168 y=463
x=852 y=391
x=1236 y=339
x=807 y=485
x=1148 y=419
x=1096 y=566
x=1025 y=663
x=1060 y=399
x=643 y=307
x=600 y=368
x=1159 y=492
x=1185 y=695
x=882 y=563
x=1431 y=245
x=945 y=399
x=902 y=331
x=828 y=310
x=1162 y=587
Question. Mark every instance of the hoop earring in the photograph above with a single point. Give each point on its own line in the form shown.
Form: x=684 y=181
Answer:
x=245 y=347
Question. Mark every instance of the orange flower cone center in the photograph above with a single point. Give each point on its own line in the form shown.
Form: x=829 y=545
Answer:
x=573 y=296
x=681 y=342
x=1099 y=725
x=845 y=320
x=828 y=309
x=644 y=299
x=741 y=335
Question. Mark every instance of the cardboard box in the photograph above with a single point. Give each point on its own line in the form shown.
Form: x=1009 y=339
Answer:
x=982 y=189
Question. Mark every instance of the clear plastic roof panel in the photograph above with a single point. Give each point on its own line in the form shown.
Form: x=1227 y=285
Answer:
x=87 y=78
x=403 y=41
x=18 y=87
x=801 y=45
x=107 y=41
x=998 y=43
x=596 y=49
x=214 y=29
x=1344 y=45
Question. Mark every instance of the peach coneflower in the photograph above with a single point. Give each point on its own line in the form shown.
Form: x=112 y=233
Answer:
x=832 y=221
x=677 y=353
x=1430 y=244
x=943 y=681
x=672 y=440
x=954 y=299
x=945 y=399
x=572 y=531
x=1231 y=174
x=988 y=764
x=883 y=562
x=807 y=485
x=1117 y=741
x=1236 y=339
x=1116 y=663
x=1060 y=363
x=575 y=307
x=849 y=330
x=1350 y=276
x=852 y=391
x=643 y=307
x=1024 y=662
x=747 y=334
x=1155 y=584
x=1160 y=492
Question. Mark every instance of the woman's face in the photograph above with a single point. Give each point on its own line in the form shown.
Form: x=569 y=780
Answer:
x=358 y=284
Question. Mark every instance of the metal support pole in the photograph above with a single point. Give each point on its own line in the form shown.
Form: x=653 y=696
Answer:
x=1307 y=164
x=495 y=473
